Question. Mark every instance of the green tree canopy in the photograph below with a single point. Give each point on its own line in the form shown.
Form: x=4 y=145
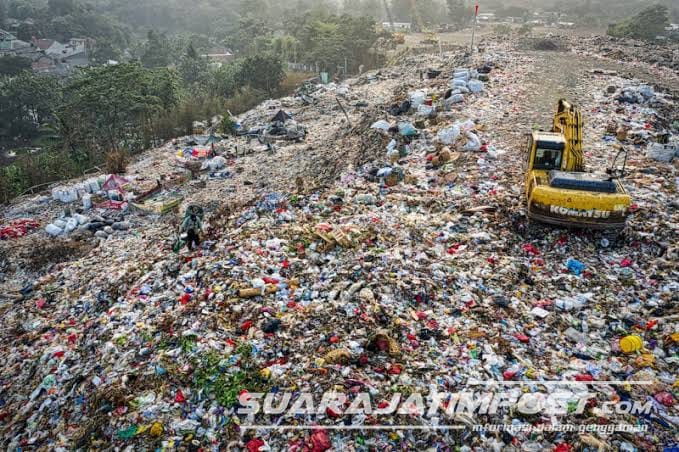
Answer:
x=26 y=102
x=110 y=104
x=14 y=65
x=648 y=24
x=263 y=72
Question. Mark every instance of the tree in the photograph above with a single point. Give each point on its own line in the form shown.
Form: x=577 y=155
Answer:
x=252 y=37
x=373 y=8
x=61 y=7
x=402 y=11
x=112 y=106
x=21 y=10
x=14 y=65
x=225 y=80
x=3 y=14
x=358 y=35
x=26 y=102
x=103 y=50
x=156 y=50
x=648 y=24
x=458 y=13
x=191 y=52
x=193 y=68
x=264 y=72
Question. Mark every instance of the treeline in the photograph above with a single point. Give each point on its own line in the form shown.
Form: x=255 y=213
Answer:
x=164 y=87
x=647 y=24
x=123 y=109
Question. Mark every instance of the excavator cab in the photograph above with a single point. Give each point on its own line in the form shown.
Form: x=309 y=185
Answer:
x=558 y=189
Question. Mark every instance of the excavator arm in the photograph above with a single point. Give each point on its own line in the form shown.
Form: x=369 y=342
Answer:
x=568 y=121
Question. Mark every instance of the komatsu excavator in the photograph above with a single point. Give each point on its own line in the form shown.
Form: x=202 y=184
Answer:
x=559 y=191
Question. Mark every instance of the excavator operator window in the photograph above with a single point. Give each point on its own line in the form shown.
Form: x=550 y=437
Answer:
x=547 y=159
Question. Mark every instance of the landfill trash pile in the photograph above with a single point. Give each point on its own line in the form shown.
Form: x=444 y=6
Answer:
x=665 y=54
x=385 y=252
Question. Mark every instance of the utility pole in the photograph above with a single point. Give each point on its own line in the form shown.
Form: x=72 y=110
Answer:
x=476 y=13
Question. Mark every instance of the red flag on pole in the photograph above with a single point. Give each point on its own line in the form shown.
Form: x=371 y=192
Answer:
x=476 y=9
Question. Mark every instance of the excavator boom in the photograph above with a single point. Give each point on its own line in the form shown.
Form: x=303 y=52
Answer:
x=568 y=122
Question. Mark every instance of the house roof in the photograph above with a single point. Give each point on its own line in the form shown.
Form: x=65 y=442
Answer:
x=6 y=36
x=43 y=44
x=218 y=52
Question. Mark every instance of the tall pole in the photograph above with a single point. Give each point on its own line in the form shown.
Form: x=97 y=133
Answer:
x=476 y=12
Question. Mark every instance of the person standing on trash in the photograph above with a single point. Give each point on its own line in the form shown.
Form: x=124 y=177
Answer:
x=192 y=226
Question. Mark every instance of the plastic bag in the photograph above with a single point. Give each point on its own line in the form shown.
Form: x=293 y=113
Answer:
x=449 y=134
x=475 y=86
x=53 y=230
x=381 y=124
x=71 y=224
x=426 y=110
x=646 y=91
x=417 y=98
x=661 y=152
x=216 y=163
x=406 y=129
x=474 y=143
x=456 y=83
x=455 y=99
x=462 y=74
x=87 y=201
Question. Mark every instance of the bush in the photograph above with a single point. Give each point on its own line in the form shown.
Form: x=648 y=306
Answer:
x=228 y=125
x=244 y=100
x=502 y=29
x=116 y=162
x=292 y=81
x=525 y=29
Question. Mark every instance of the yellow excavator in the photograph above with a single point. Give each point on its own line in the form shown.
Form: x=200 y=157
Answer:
x=559 y=191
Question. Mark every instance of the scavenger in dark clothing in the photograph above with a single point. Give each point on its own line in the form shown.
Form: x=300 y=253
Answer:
x=192 y=226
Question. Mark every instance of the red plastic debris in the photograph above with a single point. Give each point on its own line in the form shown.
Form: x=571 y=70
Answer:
x=453 y=248
x=320 y=441
x=254 y=445
x=531 y=249
x=665 y=398
x=179 y=396
x=18 y=228
x=332 y=414
x=626 y=262
x=522 y=338
x=584 y=377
